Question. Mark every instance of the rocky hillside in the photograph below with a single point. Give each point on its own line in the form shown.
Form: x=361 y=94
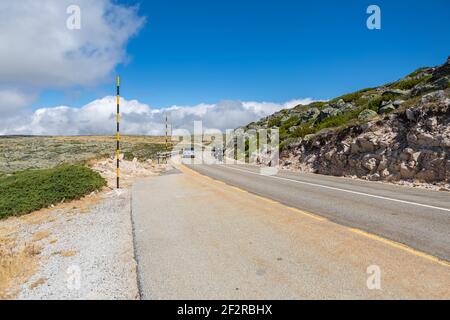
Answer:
x=397 y=132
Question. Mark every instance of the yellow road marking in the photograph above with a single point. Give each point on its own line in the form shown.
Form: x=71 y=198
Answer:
x=266 y=199
x=319 y=218
x=400 y=246
x=371 y=236
x=237 y=189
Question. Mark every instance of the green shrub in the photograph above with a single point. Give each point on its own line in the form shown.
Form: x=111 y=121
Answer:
x=283 y=133
x=415 y=73
x=375 y=104
x=339 y=120
x=303 y=108
x=303 y=130
x=361 y=102
x=352 y=96
x=275 y=122
x=286 y=142
x=292 y=121
x=409 y=84
x=30 y=190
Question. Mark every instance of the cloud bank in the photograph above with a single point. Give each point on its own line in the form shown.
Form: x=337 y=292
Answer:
x=38 y=51
x=98 y=117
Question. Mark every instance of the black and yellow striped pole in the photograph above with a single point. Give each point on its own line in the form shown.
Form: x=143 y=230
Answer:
x=118 y=133
x=167 y=132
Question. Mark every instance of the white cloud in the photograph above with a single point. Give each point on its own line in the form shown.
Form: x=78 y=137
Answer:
x=98 y=117
x=13 y=100
x=37 y=48
x=38 y=51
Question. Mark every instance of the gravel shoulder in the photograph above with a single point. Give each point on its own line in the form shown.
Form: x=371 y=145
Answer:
x=88 y=254
x=78 y=250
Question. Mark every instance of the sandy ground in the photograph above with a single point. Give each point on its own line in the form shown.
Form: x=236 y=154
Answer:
x=78 y=250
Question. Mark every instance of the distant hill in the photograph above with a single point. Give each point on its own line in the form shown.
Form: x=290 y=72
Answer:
x=397 y=131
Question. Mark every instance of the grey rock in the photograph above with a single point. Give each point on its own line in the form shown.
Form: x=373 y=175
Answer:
x=310 y=115
x=445 y=143
x=370 y=164
x=431 y=123
x=426 y=175
x=340 y=103
x=367 y=115
x=398 y=103
x=385 y=103
x=387 y=109
x=426 y=139
x=406 y=171
x=397 y=92
x=327 y=112
x=410 y=115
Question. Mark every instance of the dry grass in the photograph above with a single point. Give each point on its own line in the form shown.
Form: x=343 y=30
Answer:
x=37 y=283
x=66 y=253
x=126 y=138
x=40 y=235
x=17 y=264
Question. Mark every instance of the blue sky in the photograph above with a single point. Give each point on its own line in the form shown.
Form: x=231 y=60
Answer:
x=197 y=51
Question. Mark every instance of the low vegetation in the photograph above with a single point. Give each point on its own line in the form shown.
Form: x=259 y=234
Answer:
x=355 y=108
x=144 y=151
x=21 y=153
x=410 y=83
x=30 y=190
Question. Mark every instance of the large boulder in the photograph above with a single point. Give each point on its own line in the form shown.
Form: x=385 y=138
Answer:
x=366 y=115
x=370 y=164
x=398 y=103
x=328 y=112
x=310 y=115
x=407 y=170
x=363 y=145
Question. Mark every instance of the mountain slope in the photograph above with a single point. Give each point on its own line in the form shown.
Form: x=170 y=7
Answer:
x=398 y=131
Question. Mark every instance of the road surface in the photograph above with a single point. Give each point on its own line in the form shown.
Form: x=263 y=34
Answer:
x=199 y=238
x=415 y=217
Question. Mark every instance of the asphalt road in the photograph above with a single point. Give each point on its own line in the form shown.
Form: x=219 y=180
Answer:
x=417 y=218
x=199 y=238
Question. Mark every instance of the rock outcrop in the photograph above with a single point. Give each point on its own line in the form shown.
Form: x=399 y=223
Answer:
x=410 y=145
x=396 y=132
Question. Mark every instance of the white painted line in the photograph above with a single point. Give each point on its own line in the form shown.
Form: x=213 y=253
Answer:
x=343 y=190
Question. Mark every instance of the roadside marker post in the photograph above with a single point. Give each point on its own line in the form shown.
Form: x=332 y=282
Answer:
x=118 y=132
x=167 y=132
x=168 y=137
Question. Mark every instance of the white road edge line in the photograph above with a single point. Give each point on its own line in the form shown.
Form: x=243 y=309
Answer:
x=343 y=190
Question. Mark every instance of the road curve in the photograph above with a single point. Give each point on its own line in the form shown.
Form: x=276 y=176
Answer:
x=417 y=218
